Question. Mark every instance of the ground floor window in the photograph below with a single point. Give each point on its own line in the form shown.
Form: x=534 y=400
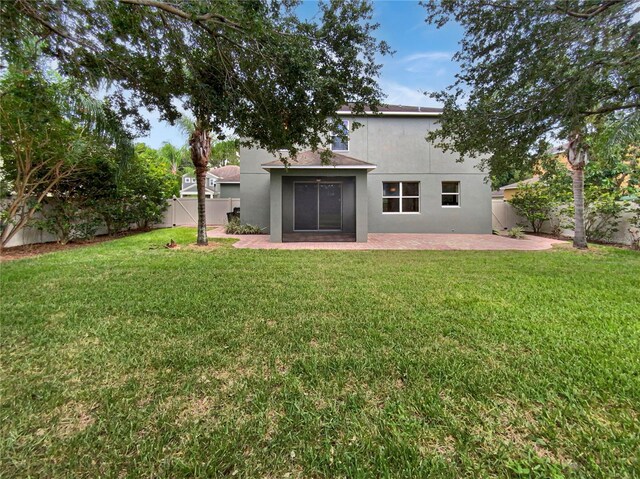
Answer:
x=401 y=197
x=450 y=193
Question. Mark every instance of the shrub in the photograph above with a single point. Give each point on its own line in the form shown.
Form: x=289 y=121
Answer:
x=114 y=213
x=602 y=215
x=516 y=232
x=634 y=222
x=68 y=221
x=602 y=212
x=234 y=227
x=535 y=203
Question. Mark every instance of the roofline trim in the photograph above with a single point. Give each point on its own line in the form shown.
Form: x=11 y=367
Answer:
x=322 y=167
x=391 y=113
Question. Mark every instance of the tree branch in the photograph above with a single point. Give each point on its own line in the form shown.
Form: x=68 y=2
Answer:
x=611 y=108
x=591 y=12
x=220 y=19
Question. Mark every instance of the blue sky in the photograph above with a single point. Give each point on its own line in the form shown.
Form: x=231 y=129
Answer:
x=421 y=63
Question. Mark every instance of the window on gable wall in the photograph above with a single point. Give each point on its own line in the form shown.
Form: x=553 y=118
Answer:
x=401 y=197
x=337 y=143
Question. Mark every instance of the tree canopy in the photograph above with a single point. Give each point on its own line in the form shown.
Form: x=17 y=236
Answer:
x=52 y=129
x=252 y=66
x=535 y=70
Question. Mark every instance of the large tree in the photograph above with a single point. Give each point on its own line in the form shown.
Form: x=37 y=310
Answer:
x=52 y=130
x=252 y=66
x=535 y=71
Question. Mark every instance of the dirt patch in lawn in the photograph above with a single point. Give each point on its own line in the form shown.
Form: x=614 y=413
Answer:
x=73 y=418
x=195 y=247
x=37 y=249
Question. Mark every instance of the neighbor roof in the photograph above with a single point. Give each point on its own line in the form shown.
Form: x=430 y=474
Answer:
x=398 y=110
x=312 y=159
x=227 y=174
x=528 y=181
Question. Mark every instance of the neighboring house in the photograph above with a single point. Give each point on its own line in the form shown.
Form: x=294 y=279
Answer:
x=190 y=189
x=508 y=191
x=228 y=180
x=222 y=182
x=386 y=179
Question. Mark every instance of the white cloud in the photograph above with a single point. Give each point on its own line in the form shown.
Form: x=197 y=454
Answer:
x=427 y=56
x=398 y=94
x=424 y=62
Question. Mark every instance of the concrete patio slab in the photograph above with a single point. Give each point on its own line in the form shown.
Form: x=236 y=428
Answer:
x=402 y=241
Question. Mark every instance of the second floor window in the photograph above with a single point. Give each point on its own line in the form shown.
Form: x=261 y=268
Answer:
x=187 y=180
x=401 y=197
x=337 y=143
x=212 y=182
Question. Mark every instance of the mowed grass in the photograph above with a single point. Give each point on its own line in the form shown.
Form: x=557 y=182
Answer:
x=126 y=359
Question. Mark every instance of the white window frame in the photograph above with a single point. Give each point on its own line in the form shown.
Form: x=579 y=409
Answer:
x=400 y=197
x=187 y=180
x=442 y=193
x=346 y=124
x=212 y=181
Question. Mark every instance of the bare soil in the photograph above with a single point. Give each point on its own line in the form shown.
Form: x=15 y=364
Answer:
x=37 y=249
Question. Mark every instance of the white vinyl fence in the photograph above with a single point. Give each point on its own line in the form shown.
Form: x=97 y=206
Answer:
x=181 y=212
x=505 y=217
x=184 y=211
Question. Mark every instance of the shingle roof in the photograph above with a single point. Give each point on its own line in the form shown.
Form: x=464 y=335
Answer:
x=397 y=109
x=528 y=181
x=310 y=159
x=227 y=174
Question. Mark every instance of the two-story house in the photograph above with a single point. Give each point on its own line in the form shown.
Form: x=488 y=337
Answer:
x=385 y=179
x=221 y=182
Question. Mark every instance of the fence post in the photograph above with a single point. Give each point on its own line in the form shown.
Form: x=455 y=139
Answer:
x=173 y=212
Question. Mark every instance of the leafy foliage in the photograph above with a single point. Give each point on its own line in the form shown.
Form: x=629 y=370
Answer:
x=254 y=67
x=517 y=232
x=224 y=152
x=535 y=71
x=103 y=194
x=634 y=223
x=535 y=203
x=52 y=129
x=68 y=220
x=234 y=227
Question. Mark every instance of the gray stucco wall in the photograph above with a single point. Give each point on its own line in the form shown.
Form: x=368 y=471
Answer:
x=397 y=146
x=229 y=190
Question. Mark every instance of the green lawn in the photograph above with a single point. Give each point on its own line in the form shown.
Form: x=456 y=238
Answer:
x=125 y=359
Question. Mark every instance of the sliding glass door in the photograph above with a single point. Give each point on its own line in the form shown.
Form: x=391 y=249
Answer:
x=317 y=206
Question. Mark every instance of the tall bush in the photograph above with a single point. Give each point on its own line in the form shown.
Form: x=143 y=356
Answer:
x=535 y=203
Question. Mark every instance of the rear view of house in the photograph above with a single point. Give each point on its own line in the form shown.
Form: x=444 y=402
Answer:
x=385 y=179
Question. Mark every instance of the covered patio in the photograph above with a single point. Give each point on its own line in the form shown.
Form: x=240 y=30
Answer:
x=401 y=241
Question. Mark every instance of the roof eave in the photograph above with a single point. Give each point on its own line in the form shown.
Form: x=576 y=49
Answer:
x=391 y=113
x=321 y=167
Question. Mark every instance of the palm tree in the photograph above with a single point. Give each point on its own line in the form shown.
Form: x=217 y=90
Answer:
x=199 y=132
x=174 y=156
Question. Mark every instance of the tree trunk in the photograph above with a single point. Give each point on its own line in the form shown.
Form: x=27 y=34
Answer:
x=577 y=156
x=200 y=143
x=201 y=177
x=579 y=236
